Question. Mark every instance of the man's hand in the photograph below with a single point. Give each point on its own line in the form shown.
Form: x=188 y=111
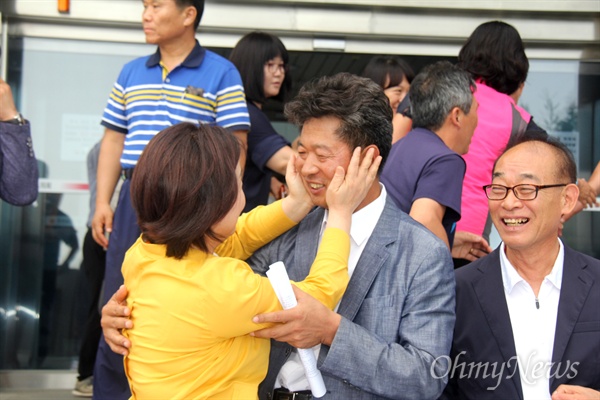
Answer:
x=587 y=195
x=304 y=326
x=573 y=392
x=469 y=246
x=115 y=316
x=102 y=224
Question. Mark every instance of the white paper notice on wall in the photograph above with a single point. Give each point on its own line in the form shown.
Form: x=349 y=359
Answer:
x=79 y=134
x=283 y=289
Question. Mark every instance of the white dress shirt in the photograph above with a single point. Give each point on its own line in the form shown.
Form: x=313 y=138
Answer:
x=291 y=375
x=533 y=322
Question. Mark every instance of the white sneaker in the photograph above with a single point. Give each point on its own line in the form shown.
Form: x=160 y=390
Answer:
x=84 y=388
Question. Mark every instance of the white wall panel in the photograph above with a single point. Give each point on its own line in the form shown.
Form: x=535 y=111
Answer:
x=565 y=28
x=333 y=21
x=497 y=5
x=249 y=17
x=461 y=26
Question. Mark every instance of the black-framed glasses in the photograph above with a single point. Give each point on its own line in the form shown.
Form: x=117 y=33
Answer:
x=524 y=191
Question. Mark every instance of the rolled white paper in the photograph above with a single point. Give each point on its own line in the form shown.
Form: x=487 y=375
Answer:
x=280 y=281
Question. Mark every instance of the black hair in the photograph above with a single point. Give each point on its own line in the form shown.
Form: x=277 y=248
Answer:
x=358 y=103
x=495 y=54
x=198 y=5
x=380 y=68
x=566 y=168
x=250 y=55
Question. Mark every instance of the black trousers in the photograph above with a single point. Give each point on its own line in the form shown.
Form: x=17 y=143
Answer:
x=93 y=266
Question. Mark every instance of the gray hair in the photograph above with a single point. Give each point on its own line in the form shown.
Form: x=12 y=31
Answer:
x=436 y=90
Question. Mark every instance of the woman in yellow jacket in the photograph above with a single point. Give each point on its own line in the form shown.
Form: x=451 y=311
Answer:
x=191 y=297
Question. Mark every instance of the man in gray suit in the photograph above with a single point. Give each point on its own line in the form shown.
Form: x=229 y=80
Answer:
x=391 y=334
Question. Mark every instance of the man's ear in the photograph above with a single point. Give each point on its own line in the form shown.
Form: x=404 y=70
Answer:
x=569 y=198
x=363 y=152
x=190 y=16
x=455 y=117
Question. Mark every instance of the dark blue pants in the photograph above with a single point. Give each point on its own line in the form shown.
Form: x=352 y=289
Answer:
x=110 y=382
x=93 y=266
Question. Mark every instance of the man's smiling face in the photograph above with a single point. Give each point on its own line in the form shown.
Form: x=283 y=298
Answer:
x=320 y=151
x=528 y=224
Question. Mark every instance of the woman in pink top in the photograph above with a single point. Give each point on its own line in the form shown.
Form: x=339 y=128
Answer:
x=494 y=54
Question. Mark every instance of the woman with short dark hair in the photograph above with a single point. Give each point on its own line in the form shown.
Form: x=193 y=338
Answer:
x=394 y=75
x=263 y=62
x=191 y=296
x=494 y=54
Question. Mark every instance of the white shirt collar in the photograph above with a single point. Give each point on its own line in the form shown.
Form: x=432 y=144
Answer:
x=510 y=276
x=365 y=219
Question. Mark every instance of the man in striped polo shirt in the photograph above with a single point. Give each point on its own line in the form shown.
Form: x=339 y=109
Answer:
x=181 y=82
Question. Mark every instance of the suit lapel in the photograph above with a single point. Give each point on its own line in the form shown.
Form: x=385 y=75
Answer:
x=307 y=244
x=370 y=262
x=575 y=287
x=490 y=293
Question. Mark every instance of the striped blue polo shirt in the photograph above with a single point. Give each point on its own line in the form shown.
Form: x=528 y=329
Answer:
x=205 y=88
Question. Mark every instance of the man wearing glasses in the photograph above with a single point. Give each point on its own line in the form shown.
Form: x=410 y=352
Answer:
x=528 y=314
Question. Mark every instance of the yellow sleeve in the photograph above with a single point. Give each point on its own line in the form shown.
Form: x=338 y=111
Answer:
x=328 y=276
x=238 y=295
x=255 y=229
x=242 y=294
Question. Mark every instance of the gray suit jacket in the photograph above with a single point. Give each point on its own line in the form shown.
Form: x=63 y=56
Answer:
x=397 y=312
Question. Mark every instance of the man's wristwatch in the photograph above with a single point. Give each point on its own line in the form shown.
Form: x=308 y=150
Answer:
x=16 y=120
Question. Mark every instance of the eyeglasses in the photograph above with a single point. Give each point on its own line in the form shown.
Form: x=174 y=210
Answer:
x=272 y=67
x=521 y=192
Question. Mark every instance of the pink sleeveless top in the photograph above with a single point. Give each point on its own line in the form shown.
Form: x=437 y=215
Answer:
x=496 y=114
